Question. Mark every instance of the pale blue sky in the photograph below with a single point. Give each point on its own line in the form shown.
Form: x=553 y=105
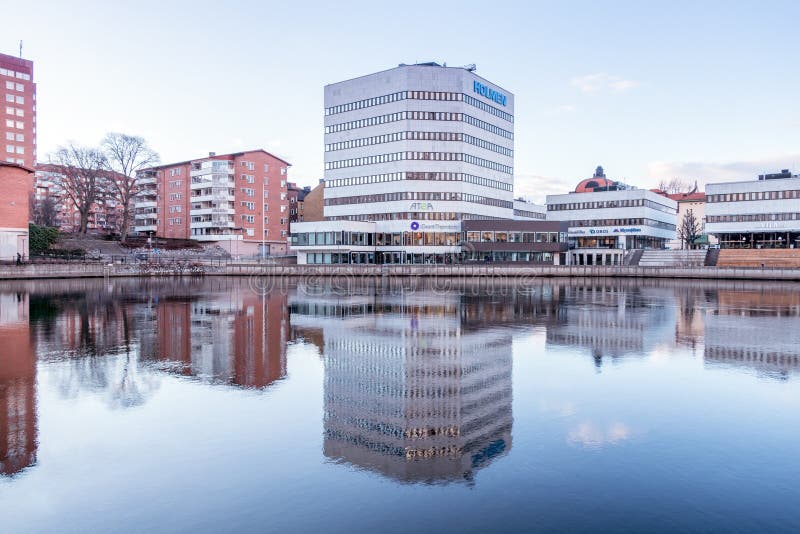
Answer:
x=648 y=90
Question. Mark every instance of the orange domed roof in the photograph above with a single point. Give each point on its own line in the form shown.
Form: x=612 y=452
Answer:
x=595 y=183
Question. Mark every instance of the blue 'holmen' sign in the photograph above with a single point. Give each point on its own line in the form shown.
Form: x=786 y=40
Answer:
x=489 y=93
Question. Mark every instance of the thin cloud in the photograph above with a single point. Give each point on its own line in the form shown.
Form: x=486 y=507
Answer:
x=601 y=81
x=708 y=172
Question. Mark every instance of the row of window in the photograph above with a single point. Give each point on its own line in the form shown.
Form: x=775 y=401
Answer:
x=429 y=176
x=759 y=195
x=418 y=116
x=14 y=86
x=529 y=214
x=10 y=136
x=377 y=239
x=488 y=146
x=15 y=111
x=19 y=125
x=755 y=217
x=18 y=99
x=415 y=216
x=417 y=196
x=424 y=156
x=516 y=237
x=623 y=222
x=418 y=136
x=605 y=204
x=419 y=95
x=13 y=149
x=14 y=74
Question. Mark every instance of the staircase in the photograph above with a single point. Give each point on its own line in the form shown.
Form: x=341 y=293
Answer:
x=632 y=258
x=673 y=258
x=711 y=257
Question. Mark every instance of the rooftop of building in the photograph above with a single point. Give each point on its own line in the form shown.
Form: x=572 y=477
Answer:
x=16 y=165
x=16 y=62
x=426 y=64
x=692 y=196
x=215 y=156
x=774 y=178
x=599 y=182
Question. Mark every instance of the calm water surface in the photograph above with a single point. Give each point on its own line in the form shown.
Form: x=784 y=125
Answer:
x=217 y=405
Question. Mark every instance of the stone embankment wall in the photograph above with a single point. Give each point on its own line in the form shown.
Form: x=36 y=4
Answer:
x=32 y=271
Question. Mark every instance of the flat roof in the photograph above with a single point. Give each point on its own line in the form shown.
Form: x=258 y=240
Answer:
x=217 y=157
x=16 y=165
x=429 y=64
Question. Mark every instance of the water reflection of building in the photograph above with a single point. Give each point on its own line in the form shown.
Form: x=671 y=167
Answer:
x=18 y=418
x=233 y=336
x=409 y=392
x=755 y=329
x=614 y=319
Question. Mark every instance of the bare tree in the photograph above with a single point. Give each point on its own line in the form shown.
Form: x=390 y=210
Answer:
x=689 y=230
x=43 y=211
x=674 y=185
x=83 y=170
x=125 y=156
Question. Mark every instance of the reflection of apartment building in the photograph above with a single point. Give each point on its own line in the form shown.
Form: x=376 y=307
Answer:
x=613 y=320
x=18 y=418
x=233 y=338
x=754 y=330
x=410 y=393
x=239 y=201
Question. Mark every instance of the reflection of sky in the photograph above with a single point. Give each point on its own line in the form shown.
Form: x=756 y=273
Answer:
x=659 y=437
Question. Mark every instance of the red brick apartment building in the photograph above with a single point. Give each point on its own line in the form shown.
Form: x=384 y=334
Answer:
x=15 y=183
x=18 y=111
x=238 y=201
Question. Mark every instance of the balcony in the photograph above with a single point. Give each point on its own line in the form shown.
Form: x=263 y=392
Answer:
x=143 y=204
x=213 y=211
x=212 y=169
x=215 y=197
x=217 y=237
x=145 y=228
x=145 y=215
x=213 y=184
x=212 y=224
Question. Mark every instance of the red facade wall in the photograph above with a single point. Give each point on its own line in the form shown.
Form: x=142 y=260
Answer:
x=16 y=183
x=28 y=120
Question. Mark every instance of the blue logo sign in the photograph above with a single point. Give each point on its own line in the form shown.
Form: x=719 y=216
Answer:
x=415 y=226
x=489 y=93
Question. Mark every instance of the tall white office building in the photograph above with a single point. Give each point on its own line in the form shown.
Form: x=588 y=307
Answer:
x=415 y=150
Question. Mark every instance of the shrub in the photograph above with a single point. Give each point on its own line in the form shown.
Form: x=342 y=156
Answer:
x=41 y=238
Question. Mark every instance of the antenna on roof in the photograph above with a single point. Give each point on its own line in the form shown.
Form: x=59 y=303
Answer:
x=20 y=48
x=471 y=67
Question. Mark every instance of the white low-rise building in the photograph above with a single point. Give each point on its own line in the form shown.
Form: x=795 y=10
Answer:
x=762 y=213
x=524 y=210
x=603 y=214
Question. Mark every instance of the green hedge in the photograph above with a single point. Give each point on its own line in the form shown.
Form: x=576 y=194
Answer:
x=41 y=238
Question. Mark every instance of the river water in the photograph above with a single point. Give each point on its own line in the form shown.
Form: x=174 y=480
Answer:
x=399 y=406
